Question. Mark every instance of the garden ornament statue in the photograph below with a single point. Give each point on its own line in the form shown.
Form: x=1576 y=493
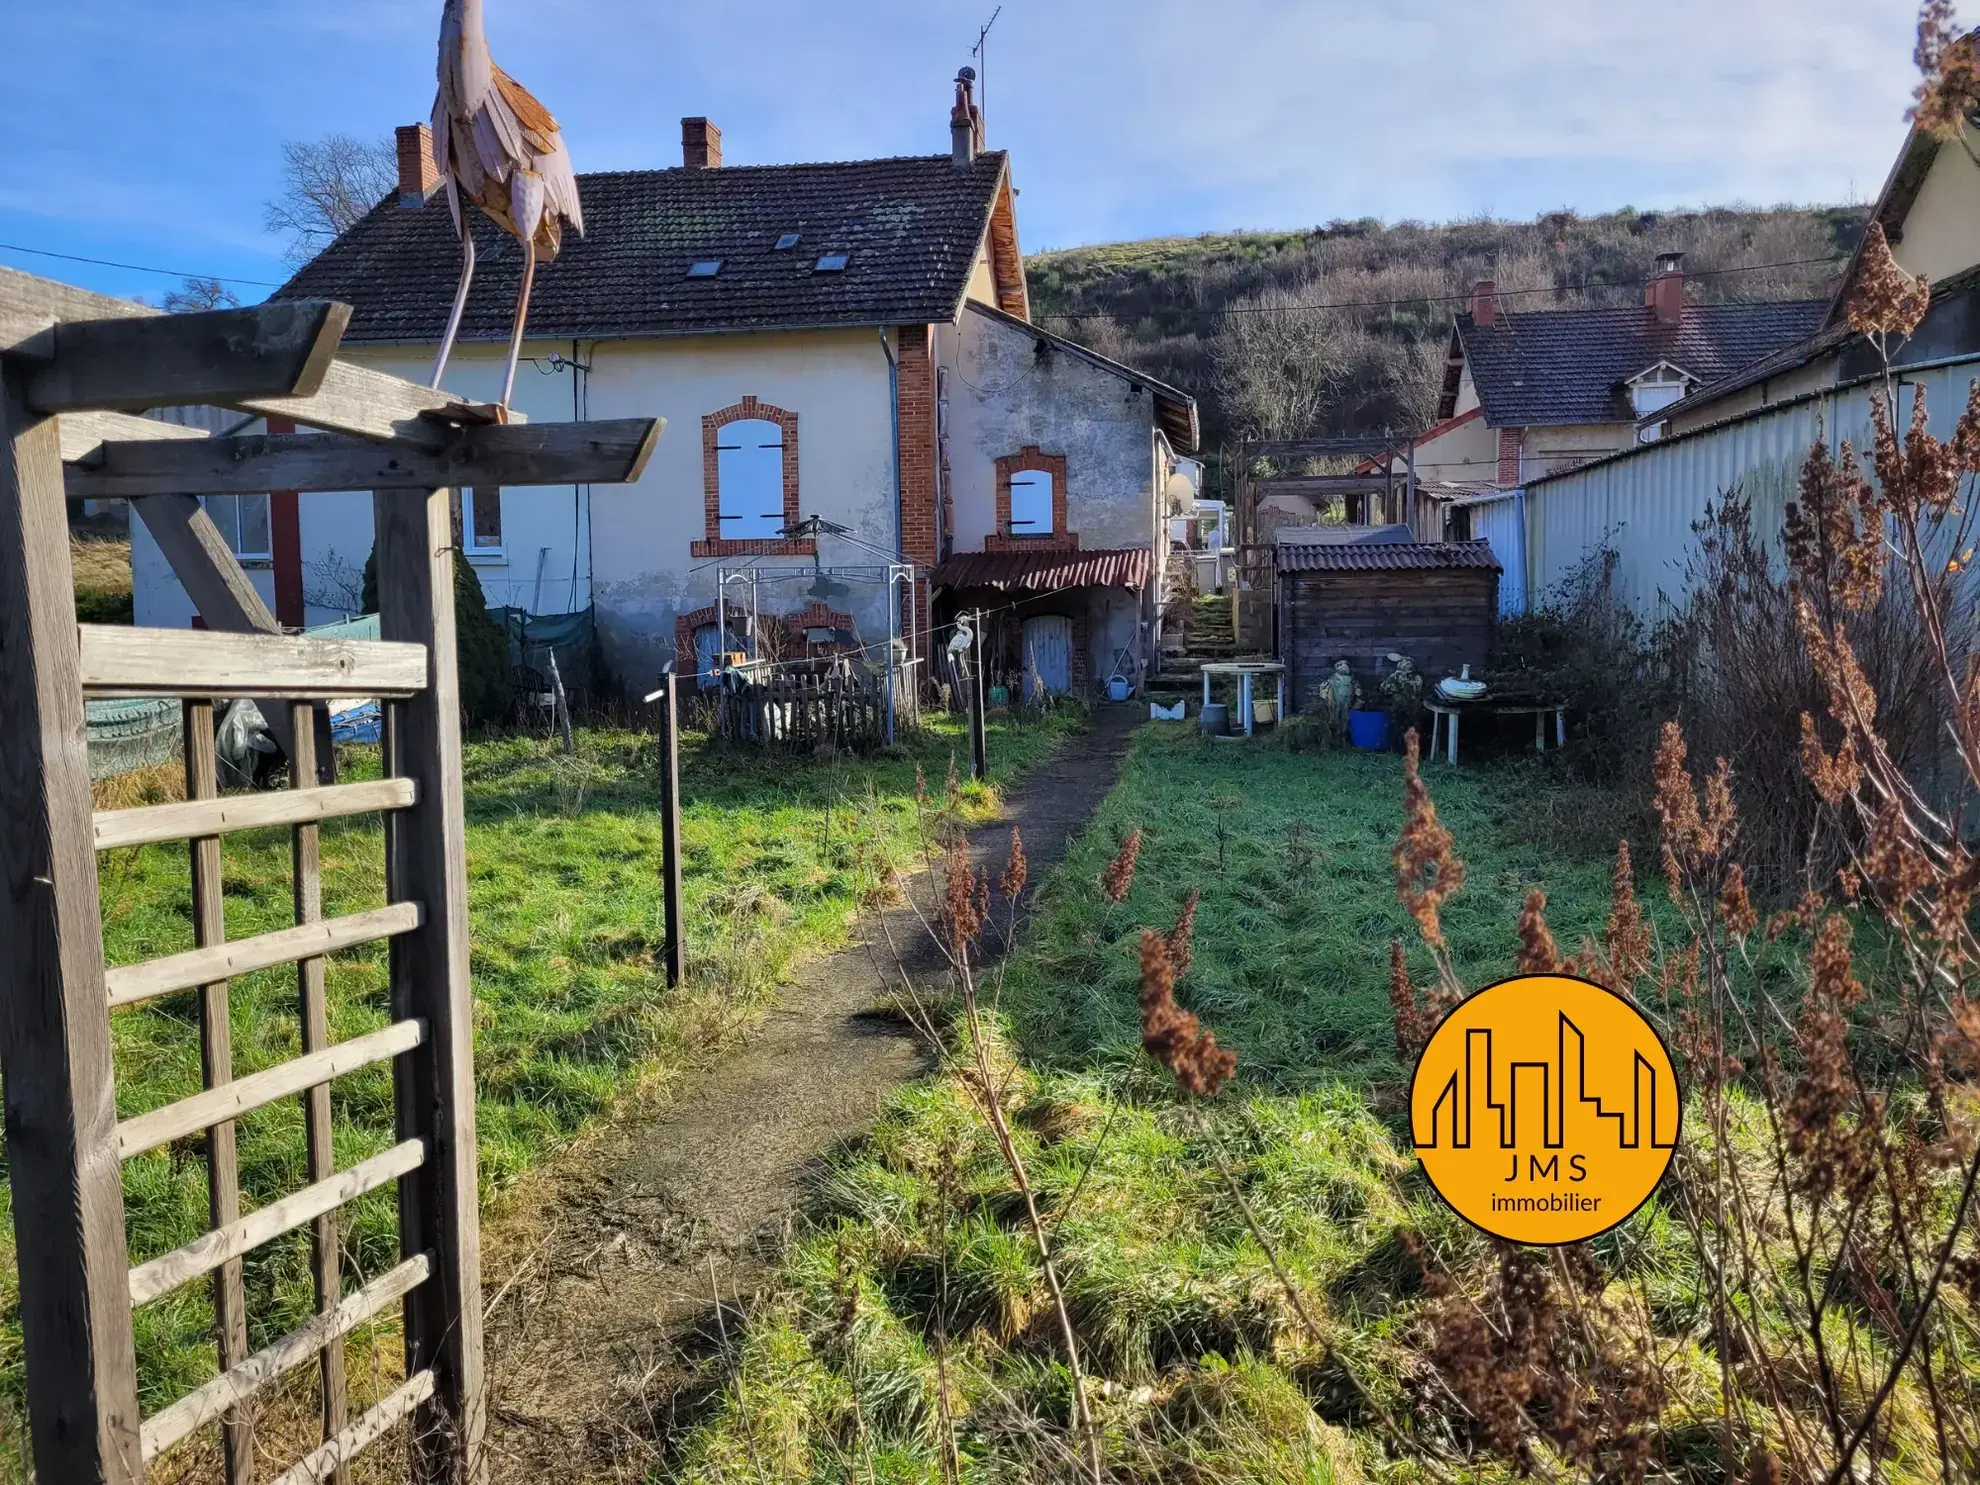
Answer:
x=1342 y=694
x=1404 y=687
x=495 y=145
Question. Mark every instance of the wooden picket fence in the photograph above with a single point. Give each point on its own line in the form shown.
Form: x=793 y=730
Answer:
x=807 y=710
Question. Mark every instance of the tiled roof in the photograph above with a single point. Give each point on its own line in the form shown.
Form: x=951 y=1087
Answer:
x=1568 y=366
x=1385 y=557
x=910 y=228
x=1039 y=572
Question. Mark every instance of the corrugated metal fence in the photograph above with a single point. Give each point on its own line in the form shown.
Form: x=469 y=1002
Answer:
x=1643 y=504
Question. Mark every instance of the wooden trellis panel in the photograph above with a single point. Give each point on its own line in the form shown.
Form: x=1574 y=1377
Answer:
x=65 y=1144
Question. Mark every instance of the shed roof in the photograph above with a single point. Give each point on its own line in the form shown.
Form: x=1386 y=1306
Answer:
x=1040 y=572
x=1414 y=556
x=910 y=228
x=1564 y=366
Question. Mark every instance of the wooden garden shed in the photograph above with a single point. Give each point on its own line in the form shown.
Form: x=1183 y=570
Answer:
x=1436 y=602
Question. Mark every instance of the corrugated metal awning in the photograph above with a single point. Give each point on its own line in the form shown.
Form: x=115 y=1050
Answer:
x=1039 y=572
x=1388 y=557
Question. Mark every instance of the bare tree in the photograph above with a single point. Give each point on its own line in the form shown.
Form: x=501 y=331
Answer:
x=1279 y=364
x=328 y=184
x=197 y=294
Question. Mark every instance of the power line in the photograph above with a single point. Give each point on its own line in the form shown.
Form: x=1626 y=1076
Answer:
x=14 y=247
x=1270 y=309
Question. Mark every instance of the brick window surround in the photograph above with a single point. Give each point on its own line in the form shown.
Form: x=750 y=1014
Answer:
x=1059 y=539
x=717 y=545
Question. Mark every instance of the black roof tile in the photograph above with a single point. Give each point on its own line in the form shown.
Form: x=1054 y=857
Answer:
x=1567 y=366
x=911 y=227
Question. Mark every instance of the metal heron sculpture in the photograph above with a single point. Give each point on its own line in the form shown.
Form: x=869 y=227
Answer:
x=495 y=145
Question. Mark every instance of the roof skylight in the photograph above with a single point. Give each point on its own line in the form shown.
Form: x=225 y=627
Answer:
x=833 y=262
x=704 y=268
x=785 y=243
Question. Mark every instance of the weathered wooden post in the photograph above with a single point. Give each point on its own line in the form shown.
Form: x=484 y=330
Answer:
x=670 y=822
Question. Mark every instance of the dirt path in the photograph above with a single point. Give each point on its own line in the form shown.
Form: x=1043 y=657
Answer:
x=590 y=1342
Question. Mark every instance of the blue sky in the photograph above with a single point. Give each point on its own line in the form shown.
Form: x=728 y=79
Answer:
x=150 y=132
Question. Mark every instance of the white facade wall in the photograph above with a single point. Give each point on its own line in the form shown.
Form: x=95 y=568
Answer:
x=629 y=546
x=1644 y=504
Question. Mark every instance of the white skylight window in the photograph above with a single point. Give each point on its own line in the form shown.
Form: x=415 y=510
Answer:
x=704 y=268
x=785 y=243
x=833 y=262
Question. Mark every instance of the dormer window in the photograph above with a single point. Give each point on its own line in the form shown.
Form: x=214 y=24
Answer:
x=1657 y=388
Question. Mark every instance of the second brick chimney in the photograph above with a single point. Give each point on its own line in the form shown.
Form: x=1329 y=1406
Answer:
x=965 y=121
x=419 y=177
x=701 y=145
x=1484 y=302
x=1665 y=293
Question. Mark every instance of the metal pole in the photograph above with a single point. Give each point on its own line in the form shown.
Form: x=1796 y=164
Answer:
x=893 y=627
x=670 y=824
x=979 y=760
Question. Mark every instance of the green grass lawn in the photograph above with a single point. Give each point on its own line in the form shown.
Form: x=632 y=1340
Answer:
x=571 y=1010
x=1207 y=1374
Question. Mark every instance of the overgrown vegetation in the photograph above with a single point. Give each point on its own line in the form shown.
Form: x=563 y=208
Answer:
x=572 y=1013
x=1219 y=315
x=914 y=1336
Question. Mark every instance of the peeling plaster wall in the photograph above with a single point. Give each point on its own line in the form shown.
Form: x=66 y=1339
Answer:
x=1002 y=397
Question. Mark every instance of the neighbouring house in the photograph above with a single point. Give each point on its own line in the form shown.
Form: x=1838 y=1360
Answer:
x=1361 y=600
x=1529 y=393
x=1748 y=433
x=1929 y=208
x=845 y=344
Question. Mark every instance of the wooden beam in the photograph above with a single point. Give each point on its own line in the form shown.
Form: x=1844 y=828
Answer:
x=280 y=349
x=85 y=433
x=324 y=1461
x=426 y=859
x=216 y=1059
x=352 y=399
x=149 y=824
x=208 y=570
x=120 y=661
x=264 y=1224
x=257 y=1090
x=61 y=1103
x=369 y=404
x=133 y=984
x=613 y=452
x=170 y=1424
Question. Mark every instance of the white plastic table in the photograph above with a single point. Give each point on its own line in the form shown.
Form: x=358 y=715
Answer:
x=1442 y=714
x=1245 y=671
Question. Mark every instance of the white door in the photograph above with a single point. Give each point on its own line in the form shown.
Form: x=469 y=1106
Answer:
x=1047 y=655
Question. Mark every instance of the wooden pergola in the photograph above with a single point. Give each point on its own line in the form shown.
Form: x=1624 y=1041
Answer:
x=74 y=367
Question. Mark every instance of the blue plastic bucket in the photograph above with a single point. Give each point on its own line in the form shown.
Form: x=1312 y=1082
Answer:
x=1369 y=730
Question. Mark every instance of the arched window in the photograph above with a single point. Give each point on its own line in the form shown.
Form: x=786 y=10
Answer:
x=749 y=473
x=749 y=479
x=1031 y=503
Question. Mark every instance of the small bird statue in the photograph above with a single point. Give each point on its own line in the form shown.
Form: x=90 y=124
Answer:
x=497 y=146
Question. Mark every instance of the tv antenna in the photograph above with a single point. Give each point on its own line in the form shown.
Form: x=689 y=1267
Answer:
x=981 y=51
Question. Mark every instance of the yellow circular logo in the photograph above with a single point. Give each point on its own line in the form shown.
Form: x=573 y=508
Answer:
x=1545 y=1109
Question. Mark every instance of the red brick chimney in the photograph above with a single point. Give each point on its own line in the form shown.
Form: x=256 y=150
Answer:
x=1665 y=293
x=419 y=177
x=701 y=145
x=1484 y=302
